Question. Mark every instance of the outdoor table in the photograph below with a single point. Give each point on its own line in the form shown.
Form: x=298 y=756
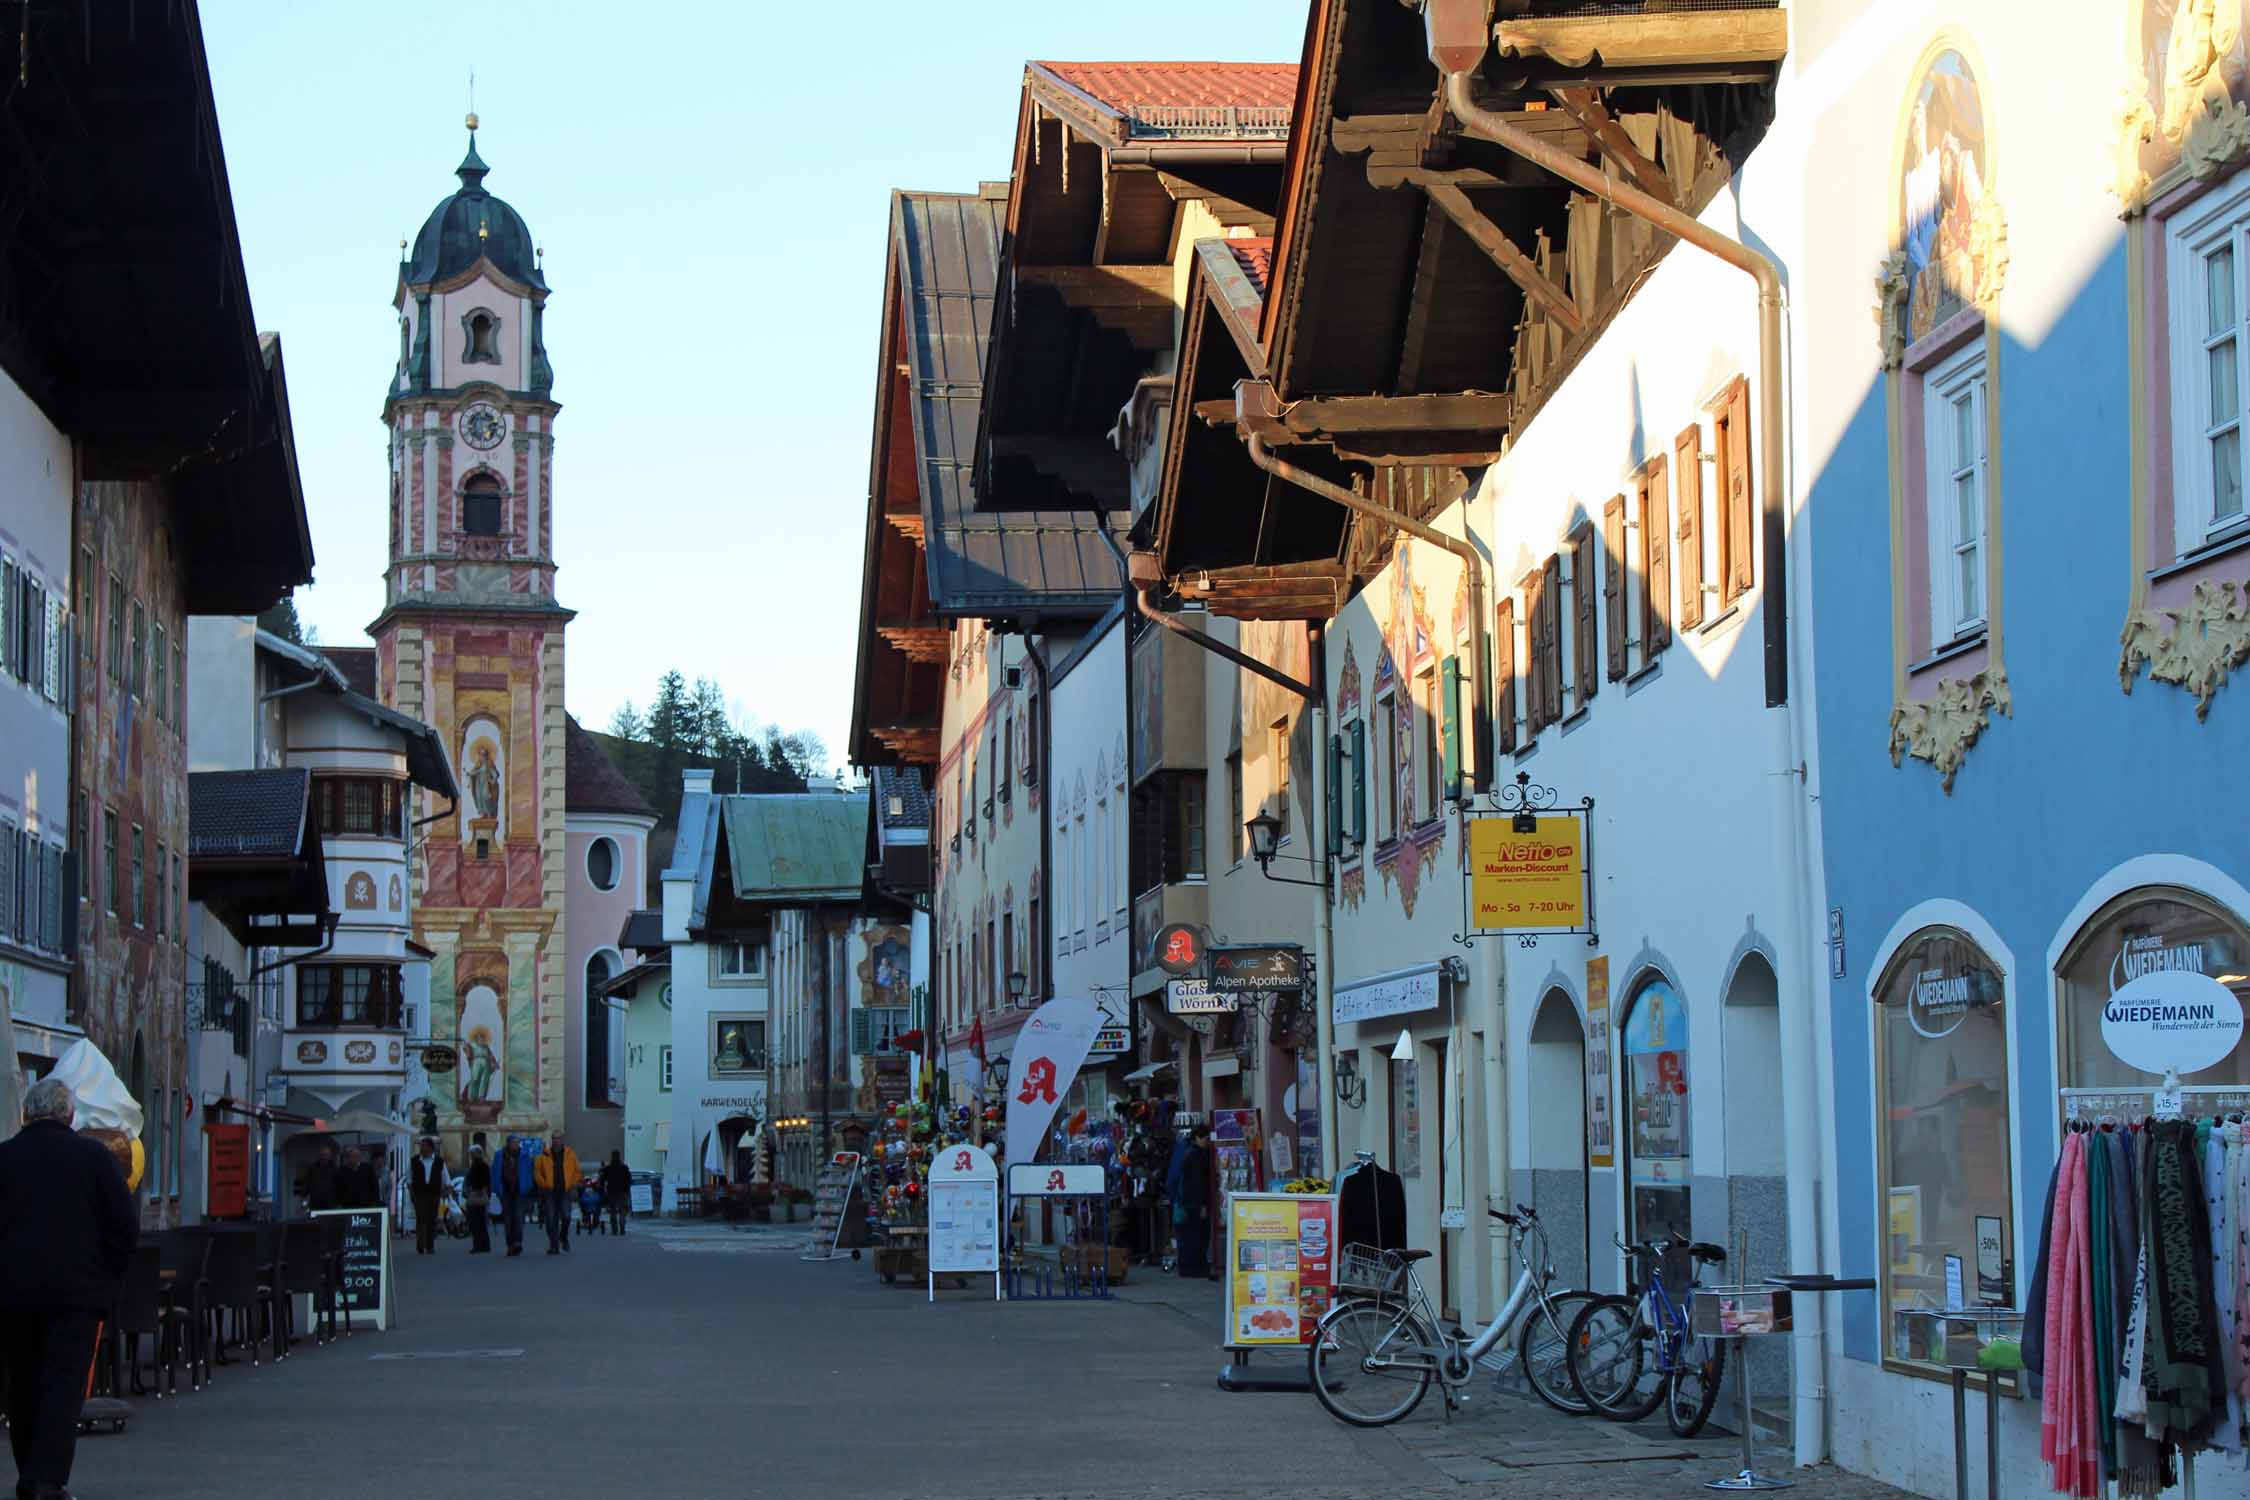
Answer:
x=1779 y=1320
x=1995 y=1318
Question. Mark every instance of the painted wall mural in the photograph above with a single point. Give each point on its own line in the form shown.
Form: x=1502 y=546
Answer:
x=1409 y=646
x=484 y=780
x=885 y=973
x=483 y=1030
x=1943 y=197
x=359 y=892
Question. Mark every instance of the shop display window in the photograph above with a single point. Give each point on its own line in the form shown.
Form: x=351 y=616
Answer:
x=2146 y=931
x=1656 y=1083
x=1942 y=1081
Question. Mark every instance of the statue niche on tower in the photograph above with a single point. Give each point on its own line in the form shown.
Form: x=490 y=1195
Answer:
x=487 y=782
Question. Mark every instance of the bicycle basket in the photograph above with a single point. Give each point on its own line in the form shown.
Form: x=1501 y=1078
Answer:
x=1362 y=1268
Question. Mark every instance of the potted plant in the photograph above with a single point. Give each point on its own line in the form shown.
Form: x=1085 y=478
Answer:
x=758 y=1199
x=793 y=1197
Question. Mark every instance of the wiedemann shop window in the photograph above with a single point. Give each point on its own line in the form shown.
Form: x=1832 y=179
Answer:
x=1942 y=1065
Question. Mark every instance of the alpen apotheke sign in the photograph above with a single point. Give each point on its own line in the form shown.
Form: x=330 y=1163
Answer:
x=2172 y=1021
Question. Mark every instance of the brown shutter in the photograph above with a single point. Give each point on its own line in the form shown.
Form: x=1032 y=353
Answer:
x=1687 y=557
x=1535 y=647
x=1504 y=678
x=1656 y=558
x=1740 y=571
x=1550 y=639
x=1613 y=581
x=1586 y=645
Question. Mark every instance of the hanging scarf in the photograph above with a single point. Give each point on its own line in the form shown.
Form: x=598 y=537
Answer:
x=2140 y=1463
x=2180 y=1371
x=2226 y=1435
x=2104 y=1295
x=2069 y=1437
x=2035 y=1301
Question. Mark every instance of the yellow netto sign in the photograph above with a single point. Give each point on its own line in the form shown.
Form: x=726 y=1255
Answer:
x=1521 y=880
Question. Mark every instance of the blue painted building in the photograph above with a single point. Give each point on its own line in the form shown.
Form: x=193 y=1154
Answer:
x=2028 y=553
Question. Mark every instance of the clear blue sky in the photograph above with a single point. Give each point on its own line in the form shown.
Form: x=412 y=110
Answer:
x=710 y=183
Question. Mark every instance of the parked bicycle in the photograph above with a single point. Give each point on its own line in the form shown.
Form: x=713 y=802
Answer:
x=1374 y=1354
x=1629 y=1354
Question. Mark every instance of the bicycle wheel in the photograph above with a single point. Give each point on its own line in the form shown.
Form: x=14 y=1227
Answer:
x=1608 y=1358
x=1545 y=1350
x=1371 y=1364
x=1695 y=1386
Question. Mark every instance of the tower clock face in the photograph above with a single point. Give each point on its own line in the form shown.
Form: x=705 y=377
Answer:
x=483 y=427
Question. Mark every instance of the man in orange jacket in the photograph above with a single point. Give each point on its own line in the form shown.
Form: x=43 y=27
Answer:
x=556 y=1176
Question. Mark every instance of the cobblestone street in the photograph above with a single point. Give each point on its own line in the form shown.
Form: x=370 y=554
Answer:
x=695 y=1361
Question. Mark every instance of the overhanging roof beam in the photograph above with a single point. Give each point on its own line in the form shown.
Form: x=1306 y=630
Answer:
x=1585 y=106
x=1493 y=241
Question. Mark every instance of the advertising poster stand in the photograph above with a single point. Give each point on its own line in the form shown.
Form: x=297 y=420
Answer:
x=1280 y=1279
x=1080 y=1189
x=964 y=1217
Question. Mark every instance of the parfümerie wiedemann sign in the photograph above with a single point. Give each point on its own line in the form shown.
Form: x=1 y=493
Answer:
x=2172 y=1020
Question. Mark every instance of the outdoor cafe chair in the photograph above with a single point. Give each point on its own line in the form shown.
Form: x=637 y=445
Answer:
x=303 y=1272
x=186 y=1297
x=140 y=1313
x=238 y=1291
x=332 y=1264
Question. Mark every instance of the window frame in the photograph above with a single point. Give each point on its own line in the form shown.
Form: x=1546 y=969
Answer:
x=1429 y=746
x=109 y=860
x=1238 y=833
x=616 y=862
x=1899 y=956
x=664 y=1067
x=1959 y=376
x=1385 y=769
x=724 y=972
x=1642 y=986
x=1278 y=750
x=2219 y=218
x=2069 y=1030
x=378 y=1005
x=140 y=875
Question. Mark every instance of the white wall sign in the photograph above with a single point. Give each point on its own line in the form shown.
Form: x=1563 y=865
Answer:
x=1398 y=994
x=2172 y=1020
x=1195 y=997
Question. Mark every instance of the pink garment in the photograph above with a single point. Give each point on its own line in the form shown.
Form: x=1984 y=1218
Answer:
x=2069 y=1431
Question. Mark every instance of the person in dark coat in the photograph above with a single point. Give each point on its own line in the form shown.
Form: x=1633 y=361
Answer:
x=426 y=1186
x=617 y=1189
x=67 y=1232
x=357 y=1183
x=478 y=1181
x=319 y=1184
x=1191 y=1208
x=513 y=1176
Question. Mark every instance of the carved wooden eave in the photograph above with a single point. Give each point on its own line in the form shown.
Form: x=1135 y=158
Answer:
x=1135 y=301
x=2195 y=647
x=1941 y=728
x=908 y=523
x=1714 y=46
x=926 y=644
x=913 y=746
x=1459 y=430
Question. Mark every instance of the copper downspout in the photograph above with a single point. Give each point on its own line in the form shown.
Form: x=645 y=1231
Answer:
x=1460 y=547
x=1685 y=226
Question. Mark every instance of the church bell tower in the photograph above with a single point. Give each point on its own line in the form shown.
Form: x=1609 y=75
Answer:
x=471 y=641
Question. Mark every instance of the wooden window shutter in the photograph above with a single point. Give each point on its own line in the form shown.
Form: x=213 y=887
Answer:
x=1687 y=498
x=1449 y=736
x=1586 y=643
x=1739 y=570
x=1550 y=639
x=1535 y=649
x=1613 y=581
x=1656 y=558
x=1504 y=678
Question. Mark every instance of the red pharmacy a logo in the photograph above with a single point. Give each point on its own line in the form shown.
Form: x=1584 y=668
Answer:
x=1055 y=1181
x=1038 y=1082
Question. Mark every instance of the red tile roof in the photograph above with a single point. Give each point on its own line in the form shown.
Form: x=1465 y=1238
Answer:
x=1256 y=259
x=1128 y=88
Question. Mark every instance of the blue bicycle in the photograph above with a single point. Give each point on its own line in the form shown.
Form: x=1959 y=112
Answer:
x=1630 y=1353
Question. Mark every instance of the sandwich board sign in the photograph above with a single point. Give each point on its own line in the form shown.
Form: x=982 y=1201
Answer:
x=964 y=1216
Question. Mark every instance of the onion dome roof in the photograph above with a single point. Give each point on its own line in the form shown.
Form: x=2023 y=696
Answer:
x=472 y=225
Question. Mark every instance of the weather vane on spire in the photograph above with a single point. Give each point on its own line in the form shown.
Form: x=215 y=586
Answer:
x=472 y=120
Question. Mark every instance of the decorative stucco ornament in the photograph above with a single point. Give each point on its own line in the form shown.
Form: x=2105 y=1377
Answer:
x=2209 y=637
x=2136 y=127
x=1941 y=729
x=2216 y=138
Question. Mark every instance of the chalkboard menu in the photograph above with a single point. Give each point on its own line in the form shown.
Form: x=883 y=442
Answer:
x=367 y=1262
x=643 y=1197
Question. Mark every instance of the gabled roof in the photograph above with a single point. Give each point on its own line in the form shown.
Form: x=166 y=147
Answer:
x=255 y=814
x=254 y=857
x=591 y=784
x=426 y=762
x=643 y=932
x=1183 y=100
x=796 y=848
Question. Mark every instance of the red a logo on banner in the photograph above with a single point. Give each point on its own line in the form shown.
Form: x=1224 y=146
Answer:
x=1038 y=1082
x=961 y=1161
x=1055 y=1181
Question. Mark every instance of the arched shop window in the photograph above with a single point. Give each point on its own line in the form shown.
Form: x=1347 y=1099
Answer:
x=1656 y=1089
x=1941 y=1062
x=2155 y=929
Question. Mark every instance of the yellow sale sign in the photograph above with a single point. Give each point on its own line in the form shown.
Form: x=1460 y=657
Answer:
x=1527 y=879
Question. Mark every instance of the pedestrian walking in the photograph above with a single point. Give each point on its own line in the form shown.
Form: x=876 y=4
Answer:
x=514 y=1174
x=557 y=1176
x=617 y=1187
x=479 y=1201
x=426 y=1186
x=319 y=1184
x=67 y=1232
x=1191 y=1206
x=356 y=1186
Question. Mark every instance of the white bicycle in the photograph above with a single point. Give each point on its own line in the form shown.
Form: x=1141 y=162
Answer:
x=1375 y=1355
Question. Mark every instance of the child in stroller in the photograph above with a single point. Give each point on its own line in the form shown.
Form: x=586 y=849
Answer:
x=590 y=1207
